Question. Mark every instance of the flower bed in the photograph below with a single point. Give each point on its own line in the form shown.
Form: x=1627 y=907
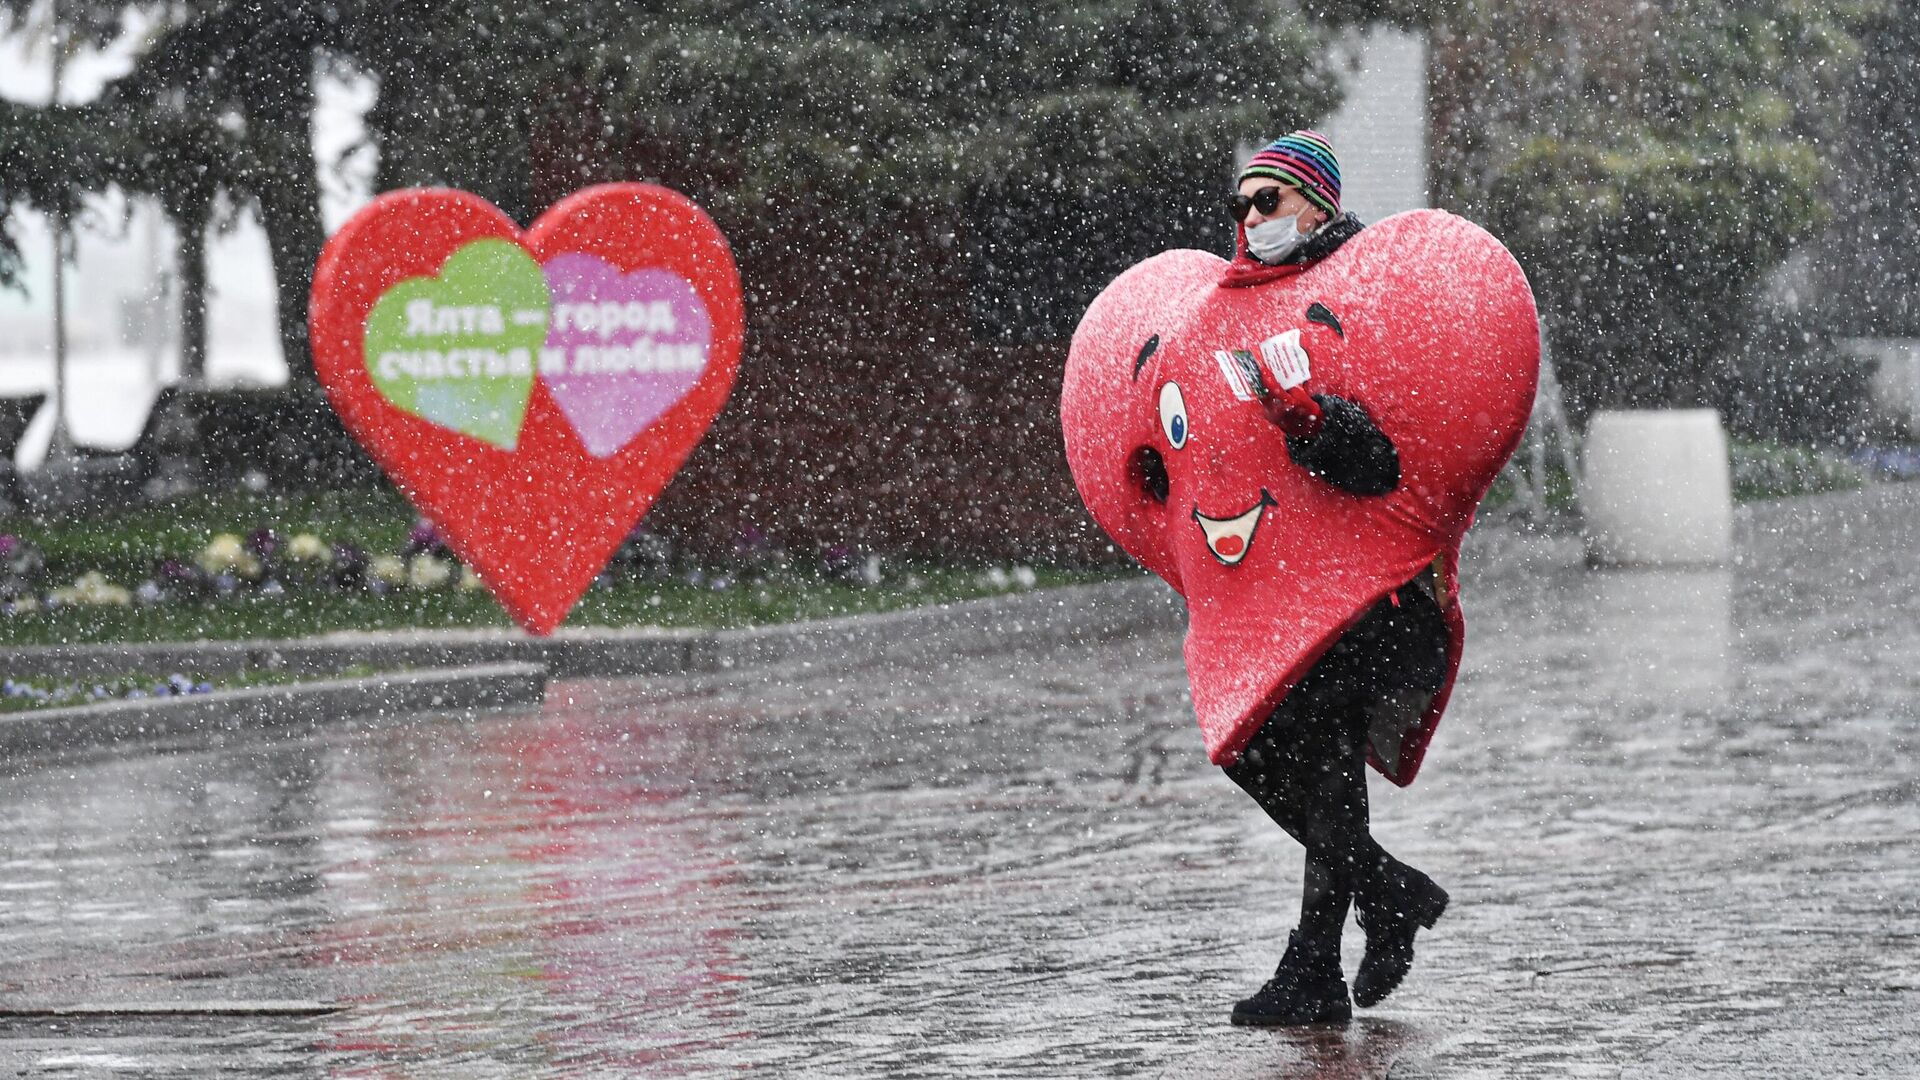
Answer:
x=261 y=564
x=16 y=694
x=151 y=575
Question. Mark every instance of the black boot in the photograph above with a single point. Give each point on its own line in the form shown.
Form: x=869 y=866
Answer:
x=1396 y=908
x=1306 y=988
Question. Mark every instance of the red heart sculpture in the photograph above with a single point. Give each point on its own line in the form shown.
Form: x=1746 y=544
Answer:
x=532 y=393
x=1437 y=339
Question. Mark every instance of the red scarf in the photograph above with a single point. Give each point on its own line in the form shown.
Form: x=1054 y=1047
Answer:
x=1246 y=270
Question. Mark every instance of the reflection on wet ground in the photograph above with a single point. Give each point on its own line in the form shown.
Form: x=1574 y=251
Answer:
x=1675 y=809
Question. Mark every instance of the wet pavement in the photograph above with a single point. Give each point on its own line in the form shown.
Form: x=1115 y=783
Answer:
x=1677 y=812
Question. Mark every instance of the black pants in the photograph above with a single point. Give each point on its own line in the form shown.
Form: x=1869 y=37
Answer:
x=1307 y=765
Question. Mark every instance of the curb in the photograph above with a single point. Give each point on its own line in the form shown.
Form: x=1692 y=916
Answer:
x=263 y=707
x=1070 y=613
x=649 y=651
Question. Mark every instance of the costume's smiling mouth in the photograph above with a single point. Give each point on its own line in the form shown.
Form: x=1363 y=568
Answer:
x=1229 y=539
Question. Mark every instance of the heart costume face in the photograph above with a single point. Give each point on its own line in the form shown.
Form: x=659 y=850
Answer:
x=532 y=393
x=1425 y=321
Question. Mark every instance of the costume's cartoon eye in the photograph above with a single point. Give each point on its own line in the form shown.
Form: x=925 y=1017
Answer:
x=1173 y=414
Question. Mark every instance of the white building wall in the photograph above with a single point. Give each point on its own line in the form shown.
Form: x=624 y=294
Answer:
x=1380 y=132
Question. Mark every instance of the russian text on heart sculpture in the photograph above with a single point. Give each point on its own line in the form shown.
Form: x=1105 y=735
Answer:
x=531 y=393
x=1427 y=322
x=458 y=348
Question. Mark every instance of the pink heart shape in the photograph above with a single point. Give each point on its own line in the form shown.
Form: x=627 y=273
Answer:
x=621 y=348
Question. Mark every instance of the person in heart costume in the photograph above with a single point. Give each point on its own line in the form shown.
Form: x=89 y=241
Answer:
x=1296 y=441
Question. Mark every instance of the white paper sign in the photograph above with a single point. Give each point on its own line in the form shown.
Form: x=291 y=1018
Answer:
x=1286 y=358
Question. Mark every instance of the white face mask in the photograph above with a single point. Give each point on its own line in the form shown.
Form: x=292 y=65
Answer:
x=1275 y=239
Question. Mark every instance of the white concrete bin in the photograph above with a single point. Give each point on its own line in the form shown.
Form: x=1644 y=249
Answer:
x=1893 y=395
x=1657 y=490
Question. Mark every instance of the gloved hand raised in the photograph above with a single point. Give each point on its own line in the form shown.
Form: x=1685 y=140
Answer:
x=1290 y=406
x=1295 y=411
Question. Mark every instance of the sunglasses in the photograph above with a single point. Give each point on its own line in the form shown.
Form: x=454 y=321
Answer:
x=1266 y=200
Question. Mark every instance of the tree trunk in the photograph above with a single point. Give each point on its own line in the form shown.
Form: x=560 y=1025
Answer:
x=282 y=118
x=192 y=223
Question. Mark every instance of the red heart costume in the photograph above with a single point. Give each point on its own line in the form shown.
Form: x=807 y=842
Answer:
x=1427 y=322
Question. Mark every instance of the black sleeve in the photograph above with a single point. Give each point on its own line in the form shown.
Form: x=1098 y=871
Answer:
x=1350 y=452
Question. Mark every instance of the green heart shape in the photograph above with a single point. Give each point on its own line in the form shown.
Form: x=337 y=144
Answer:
x=460 y=350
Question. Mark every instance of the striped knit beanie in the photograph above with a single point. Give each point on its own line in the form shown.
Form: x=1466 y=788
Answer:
x=1305 y=160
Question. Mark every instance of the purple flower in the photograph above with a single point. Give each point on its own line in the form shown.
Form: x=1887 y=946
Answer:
x=19 y=561
x=179 y=577
x=349 y=569
x=424 y=539
x=263 y=542
x=643 y=552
